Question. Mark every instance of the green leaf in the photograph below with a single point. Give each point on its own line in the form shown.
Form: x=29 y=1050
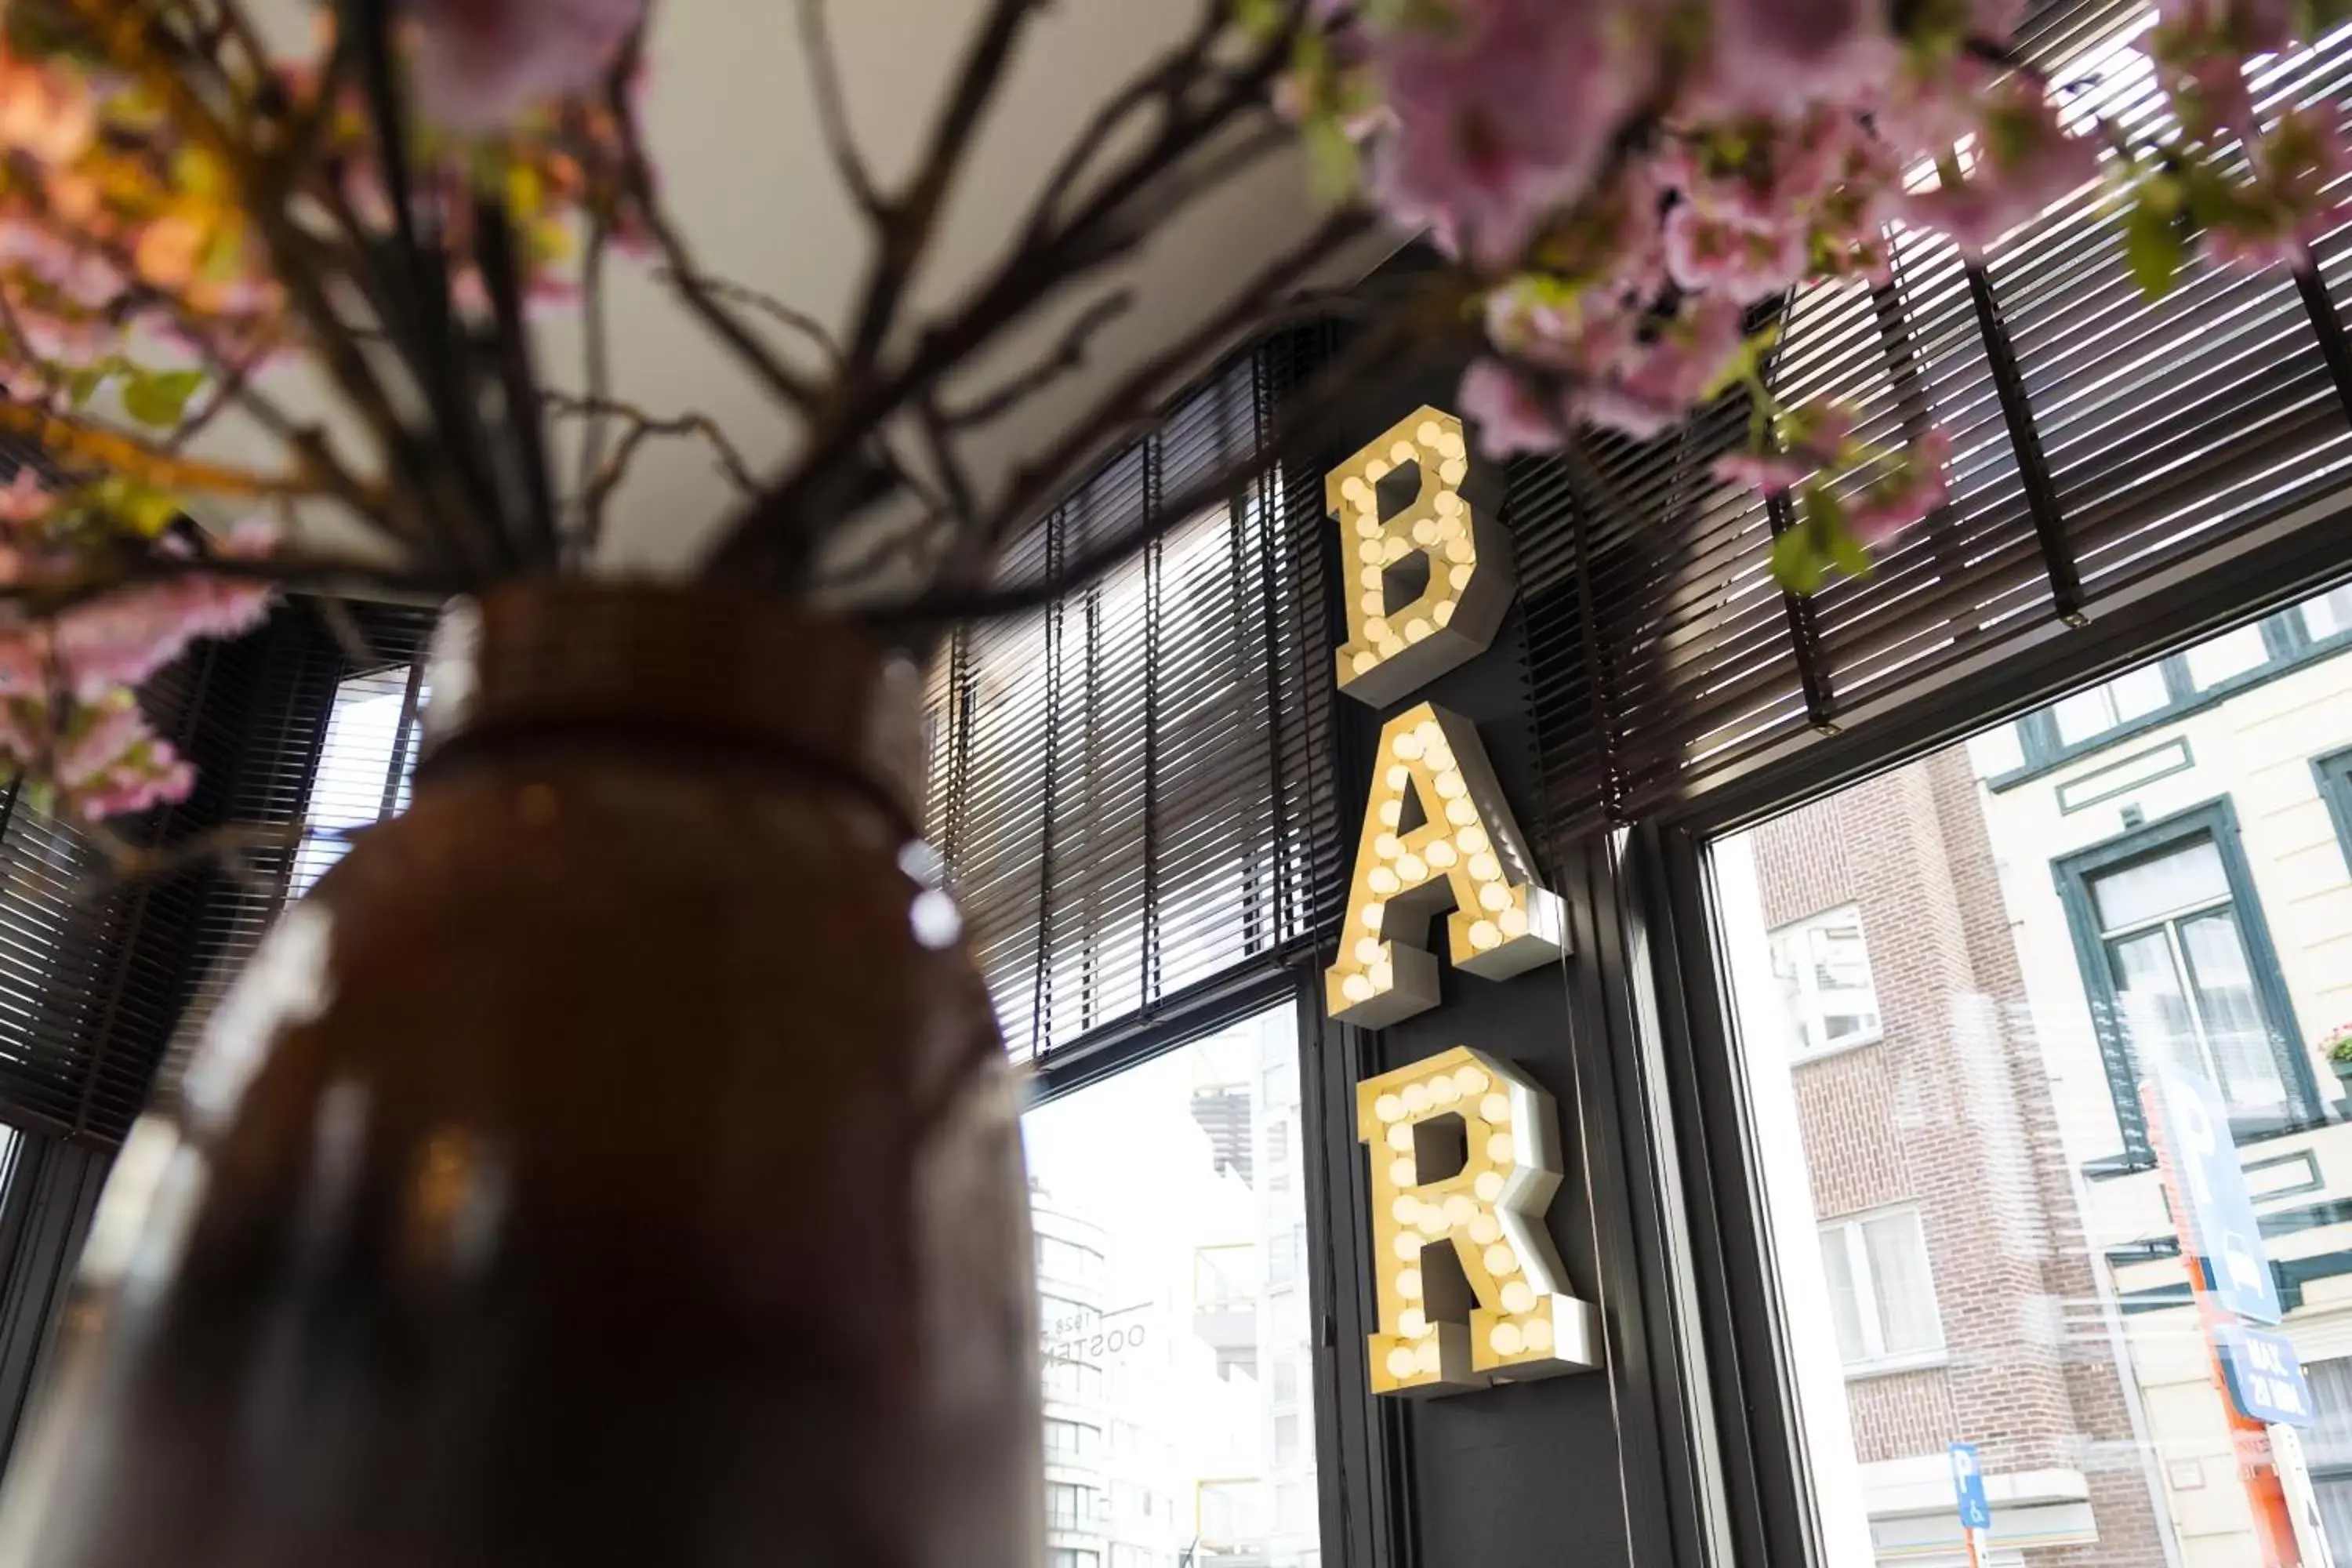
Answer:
x=82 y=384
x=1849 y=554
x=1259 y=18
x=1332 y=166
x=159 y=398
x=2154 y=244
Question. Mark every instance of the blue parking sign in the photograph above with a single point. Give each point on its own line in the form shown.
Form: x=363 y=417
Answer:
x=2219 y=1227
x=1967 y=1487
x=2265 y=1376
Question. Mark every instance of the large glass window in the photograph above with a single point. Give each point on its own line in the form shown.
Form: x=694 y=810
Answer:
x=1170 y=1245
x=1969 y=1220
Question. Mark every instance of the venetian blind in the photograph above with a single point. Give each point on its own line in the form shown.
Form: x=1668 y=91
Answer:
x=93 y=967
x=329 y=738
x=2101 y=443
x=1127 y=784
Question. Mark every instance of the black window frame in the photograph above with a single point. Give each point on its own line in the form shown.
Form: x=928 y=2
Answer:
x=2215 y=821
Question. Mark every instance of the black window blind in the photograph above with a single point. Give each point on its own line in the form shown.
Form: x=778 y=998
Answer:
x=93 y=965
x=2101 y=442
x=1128 y=785
x=329 y=738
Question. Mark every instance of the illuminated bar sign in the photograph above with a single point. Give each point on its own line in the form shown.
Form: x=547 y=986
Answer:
x=1471 y=1290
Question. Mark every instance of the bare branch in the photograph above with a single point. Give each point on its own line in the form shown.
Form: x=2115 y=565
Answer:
x=1429 y=325
x=684 y=276
x=770 y=539
x=1069 y=356
x=833 y=107
x=768 y=305
x=596 y=353
x=907 y=221
x=130 y=864
x=643 y=426
x=1139 y=395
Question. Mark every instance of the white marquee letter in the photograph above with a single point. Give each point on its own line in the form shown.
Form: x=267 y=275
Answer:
x=1452 y=523
x=1523 y=1324
x=1437 y=834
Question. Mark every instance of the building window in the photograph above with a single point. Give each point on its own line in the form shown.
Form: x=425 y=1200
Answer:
x=2226 y=656
x=1824 y=973
x=2180 y=969
x=1882 y=1291
x=1285 y=1440
x=1277 y=1156
x=2087 y=715
x=1062 y=1259
x=1072 y=1379
x=2328 y=615
x=1072 y=1441
x=2327 y=1449
x=1123 y=1556
x=1068 y=1506
x=364 y=767
x=1065 y=1557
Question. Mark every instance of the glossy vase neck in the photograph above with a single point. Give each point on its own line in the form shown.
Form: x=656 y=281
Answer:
x=694 y=671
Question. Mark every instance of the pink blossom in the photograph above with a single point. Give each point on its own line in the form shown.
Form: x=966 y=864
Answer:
x=127 y=636
x=1747 y=258
x=2290 y=200
x=1504 y=113
x=1913 y=486
x=24 y=499
x=1816 y=438
x=1511 y=418
x=2025 y=163
x=1653 y=387
x=479 y=63
x=1778 y=56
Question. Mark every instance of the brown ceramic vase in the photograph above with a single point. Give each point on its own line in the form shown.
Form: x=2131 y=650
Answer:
x=611 y=1162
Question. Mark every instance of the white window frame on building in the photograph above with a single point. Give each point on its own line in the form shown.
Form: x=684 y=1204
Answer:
x=1813 y=1006
x=1851 y=1236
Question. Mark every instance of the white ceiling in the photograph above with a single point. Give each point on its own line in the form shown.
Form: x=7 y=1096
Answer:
x=728 y=109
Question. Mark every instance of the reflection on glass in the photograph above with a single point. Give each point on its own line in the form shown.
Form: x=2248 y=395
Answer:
x=1170 y=1227
x=1972 y=1236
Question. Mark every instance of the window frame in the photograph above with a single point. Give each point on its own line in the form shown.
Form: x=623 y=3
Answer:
x=1852 y=1231
x=2215 y=820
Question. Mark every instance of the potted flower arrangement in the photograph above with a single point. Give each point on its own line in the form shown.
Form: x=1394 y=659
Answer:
x=397 y=1287
x=2337 y=1049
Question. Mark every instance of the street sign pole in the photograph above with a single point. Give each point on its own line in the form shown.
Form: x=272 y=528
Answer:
x=1968 y=1494
x=2249 y=1438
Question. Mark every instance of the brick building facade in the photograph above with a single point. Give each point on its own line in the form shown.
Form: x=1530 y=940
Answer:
x=1947 y=1111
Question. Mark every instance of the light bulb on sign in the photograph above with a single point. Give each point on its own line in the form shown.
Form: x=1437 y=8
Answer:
x=1465 y=856
x=1450 y=515
x=1524 y=1323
